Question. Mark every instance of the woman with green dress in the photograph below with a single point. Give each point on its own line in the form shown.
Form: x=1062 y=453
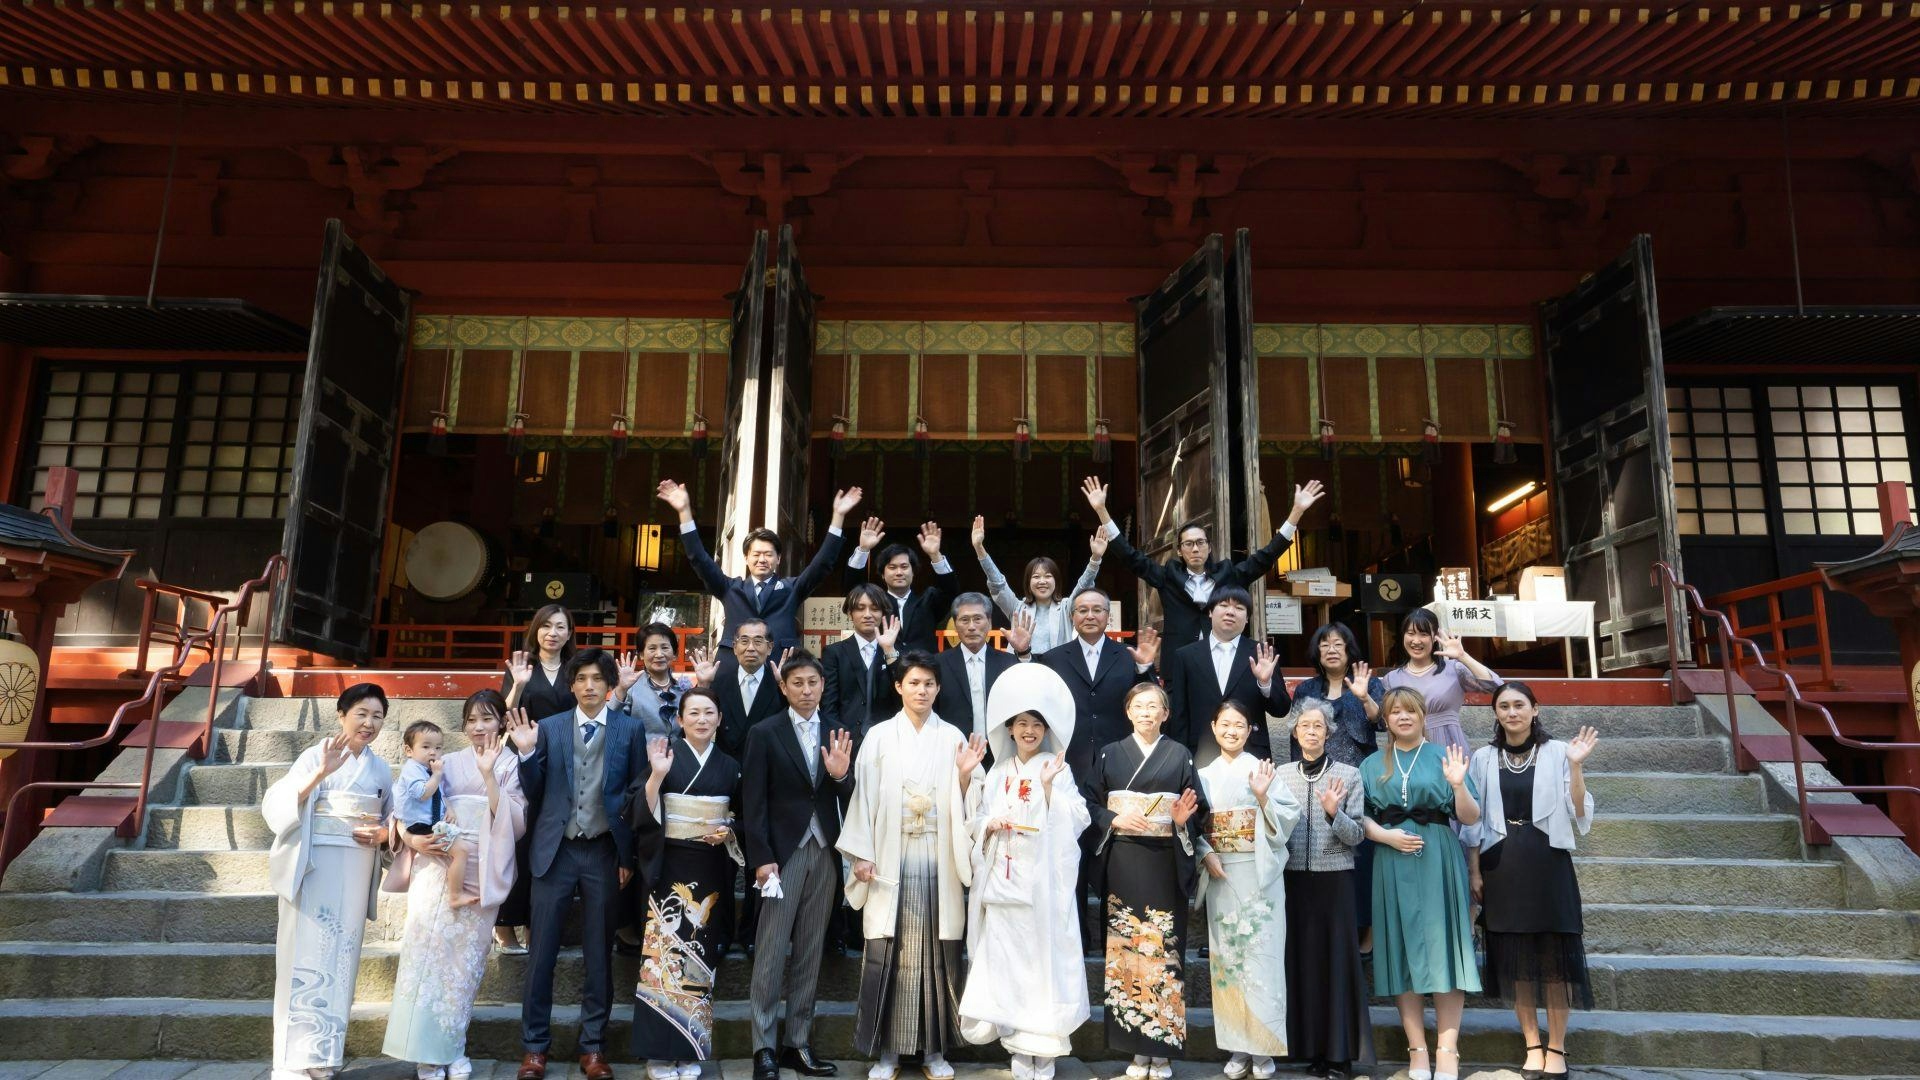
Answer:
x=1422 y=940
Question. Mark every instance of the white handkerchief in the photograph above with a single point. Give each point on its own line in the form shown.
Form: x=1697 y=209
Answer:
x=770 y=889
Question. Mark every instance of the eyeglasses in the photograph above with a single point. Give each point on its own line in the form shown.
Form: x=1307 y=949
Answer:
x=744 y=640
x=1194 y=543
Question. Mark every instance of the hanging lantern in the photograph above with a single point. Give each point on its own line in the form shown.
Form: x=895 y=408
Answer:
x=517 y=434
x=1430 y=441
x=1503 y=442
x=1326 y=439
x=922 y=443
x=1022 y=440
x=1102 y=442
x=437 y=435
x=837 y=439
x=698 y=445
x=617 y=444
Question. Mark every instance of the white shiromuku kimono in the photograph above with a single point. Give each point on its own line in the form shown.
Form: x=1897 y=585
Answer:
x=909 y=817
x=1027 y=985
x=443 y=951
x=1247 y=910
x=326 y=883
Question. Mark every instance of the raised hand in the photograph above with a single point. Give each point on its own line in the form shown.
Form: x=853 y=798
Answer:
x=979 y=535
x=1095 y=491
x=523 y=732
x=1055 y=765
x=1263 y=662
x=675 y=496
x=1261 y=781
x=1449 y=646
x=889 y=633
x=1358 y=676
x=486 y=751
x=1184 y=807
x=520 y=668
x=1305 y=495
x=969 y=756
x=1214 y=869
x=1097 y=543
x=930 y=541
x=1455 y=766
x=1581 y=745
x=774 y=666
x=706 y=664
x=872 y=531
x=630 y=670
x=1146 y=647
x=339 y=751
x=1332 y=796
x=660 y=755
x=1020 y=634
x=837 y=755
x=844 y=501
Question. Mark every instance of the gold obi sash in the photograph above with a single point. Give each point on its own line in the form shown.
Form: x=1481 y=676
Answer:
x=1231 y=831
x=1155 y=806
x=338 y=812
x=692 y=817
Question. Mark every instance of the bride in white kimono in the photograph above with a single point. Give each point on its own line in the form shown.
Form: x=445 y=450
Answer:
x=1028 y=984
x=328 y=816
x=443 y=950
x=1243 y=850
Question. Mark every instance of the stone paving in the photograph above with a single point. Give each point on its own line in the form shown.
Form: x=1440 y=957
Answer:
x=740 y=1069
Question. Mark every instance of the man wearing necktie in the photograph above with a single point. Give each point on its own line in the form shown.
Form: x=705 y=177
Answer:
x=922 y=613
x=969 y=669
x=1228 y=664
x=858 y=693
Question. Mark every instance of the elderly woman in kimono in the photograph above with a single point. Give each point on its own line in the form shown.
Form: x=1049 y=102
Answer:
x=443 y=950
x=1028 y=986
x=1243 y=849
x=328 y=816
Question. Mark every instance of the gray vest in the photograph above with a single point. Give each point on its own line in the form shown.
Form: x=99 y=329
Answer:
x=589 y=776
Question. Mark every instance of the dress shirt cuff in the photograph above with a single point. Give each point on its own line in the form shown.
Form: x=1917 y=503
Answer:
x=1112 y=530
x=858 y=560
x=686 y=527
x=1287 y=530
x=1266 y=687
x=1142 y=669
x=942 y=566
x=833 y=530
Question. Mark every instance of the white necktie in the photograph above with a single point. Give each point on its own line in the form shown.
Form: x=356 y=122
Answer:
x=1093 y=662
x=977 y=683
x=810 y=748
x=1223 y=663
x=749 y=688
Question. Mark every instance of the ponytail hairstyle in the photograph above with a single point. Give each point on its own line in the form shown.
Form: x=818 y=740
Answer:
x=1536 y=737
x=1401 y=698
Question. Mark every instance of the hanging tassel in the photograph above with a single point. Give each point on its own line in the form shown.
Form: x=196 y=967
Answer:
x=437 y=435
x=1503 y=453
x=617 y=443
x=922 y=443
x=1326 y=440
x=698 y=445
x=1430 y=438
x=1102 y=443
x=517 y=434
x=1022 y=441
x=837 y=439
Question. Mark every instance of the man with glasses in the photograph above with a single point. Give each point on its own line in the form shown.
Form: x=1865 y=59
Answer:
x=1186 y=581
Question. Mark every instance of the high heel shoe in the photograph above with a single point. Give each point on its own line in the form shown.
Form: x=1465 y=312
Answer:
x=1419 y=1074
x=1533 y=1074
x=1563 y=1061
x=1455 y=1074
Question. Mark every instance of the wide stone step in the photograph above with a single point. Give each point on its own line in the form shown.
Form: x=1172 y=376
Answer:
x=208 y=828
x=318 y=714
x=236 y=785
x=210 y=971
x=1693 y=929
x=65 y=1028
x=1673 y=793
x=1612 y=721
x=209 y=872
x=1705 y=836
x=1741 y=882
x=160 y=915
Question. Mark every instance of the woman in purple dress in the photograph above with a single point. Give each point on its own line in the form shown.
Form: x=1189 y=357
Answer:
x=1438 y=666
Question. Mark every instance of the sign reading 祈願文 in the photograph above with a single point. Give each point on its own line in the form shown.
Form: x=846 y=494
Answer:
x=1464 y=618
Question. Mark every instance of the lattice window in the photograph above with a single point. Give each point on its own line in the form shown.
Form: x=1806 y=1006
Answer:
x=1719 y=486
x=115 y=427
x=236 y=456
x=1831 y=445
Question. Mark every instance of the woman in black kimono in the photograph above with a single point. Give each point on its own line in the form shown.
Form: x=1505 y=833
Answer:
x=1144 y=796
x=680 y=948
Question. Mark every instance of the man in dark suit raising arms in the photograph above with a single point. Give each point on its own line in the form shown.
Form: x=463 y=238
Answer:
x=921 y=612
x=1186 y=582
x=794 y=784
x=1226 y=665
x=762 y=594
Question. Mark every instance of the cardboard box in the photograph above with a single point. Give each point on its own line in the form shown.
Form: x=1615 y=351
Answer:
x=1320 y=590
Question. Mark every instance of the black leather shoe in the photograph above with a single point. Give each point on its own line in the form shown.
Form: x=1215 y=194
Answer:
x=801 y=1060
x=765 y=1065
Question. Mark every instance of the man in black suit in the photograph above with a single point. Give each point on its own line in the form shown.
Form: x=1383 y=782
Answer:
x=1227 y=665
x=794 y=785
x=1187 y=581
x=1098 y=671
x=921 y=613
x=576 y=768
x=859 y=694
x=969 y=669
x=748 y=687
x=762 y=594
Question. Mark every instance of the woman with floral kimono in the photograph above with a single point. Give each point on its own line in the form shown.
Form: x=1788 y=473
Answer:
x=443 y=950
x=1244 y=851
x=1143 y=796
x=1028 y=982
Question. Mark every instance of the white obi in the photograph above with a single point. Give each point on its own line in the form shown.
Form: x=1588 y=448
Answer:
x=694 y=817
x=337 y=812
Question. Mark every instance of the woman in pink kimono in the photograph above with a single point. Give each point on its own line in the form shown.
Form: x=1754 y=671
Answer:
x=443 y=951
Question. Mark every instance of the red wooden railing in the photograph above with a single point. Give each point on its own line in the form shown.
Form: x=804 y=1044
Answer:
x=182 y=626
x=127 y=813
x=1819 y=822
x=1777 y=625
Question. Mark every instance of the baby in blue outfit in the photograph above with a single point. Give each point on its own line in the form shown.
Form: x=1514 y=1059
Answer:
x=420 y=805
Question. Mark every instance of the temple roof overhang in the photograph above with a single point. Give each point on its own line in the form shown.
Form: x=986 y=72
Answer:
x=1798 y=336
x=51 y=320
x=1315 y=58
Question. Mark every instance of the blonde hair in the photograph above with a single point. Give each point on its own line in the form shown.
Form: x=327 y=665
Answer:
x=1401 y=697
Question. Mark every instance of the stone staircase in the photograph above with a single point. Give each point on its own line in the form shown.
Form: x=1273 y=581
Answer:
x=1715 y=940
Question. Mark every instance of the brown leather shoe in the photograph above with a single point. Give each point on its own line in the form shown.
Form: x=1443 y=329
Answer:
x=595 y=1067
x=533 y=1067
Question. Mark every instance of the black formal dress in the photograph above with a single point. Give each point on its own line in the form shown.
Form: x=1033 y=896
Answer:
x=1530 y=906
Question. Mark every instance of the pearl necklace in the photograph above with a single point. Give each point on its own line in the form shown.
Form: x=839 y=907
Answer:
x=1506 y=759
